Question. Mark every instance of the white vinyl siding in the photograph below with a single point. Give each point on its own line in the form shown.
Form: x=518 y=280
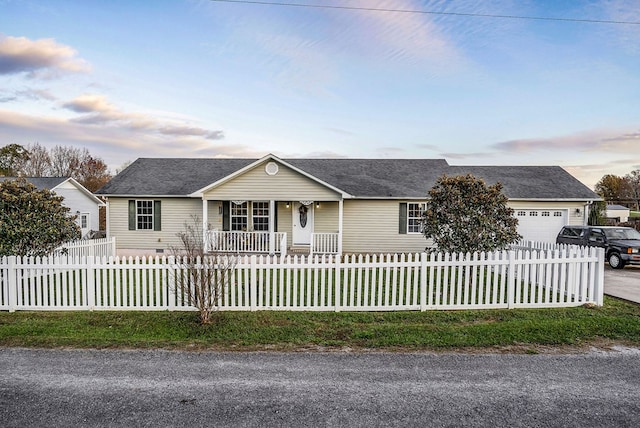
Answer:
x=78 y=201
x=175 y=213
x=371 y=226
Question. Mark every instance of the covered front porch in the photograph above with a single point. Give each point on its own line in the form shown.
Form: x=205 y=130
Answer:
x=273 y=227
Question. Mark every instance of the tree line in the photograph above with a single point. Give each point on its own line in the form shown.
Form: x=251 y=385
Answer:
x=36 y=160
x=624 y=190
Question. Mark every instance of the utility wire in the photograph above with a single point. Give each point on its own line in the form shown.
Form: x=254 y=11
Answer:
x=426 y=12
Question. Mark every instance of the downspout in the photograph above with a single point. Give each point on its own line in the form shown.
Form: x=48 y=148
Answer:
x=587 y=211
x=106 y=218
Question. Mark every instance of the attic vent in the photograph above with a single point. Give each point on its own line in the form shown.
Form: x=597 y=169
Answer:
x=271 y=168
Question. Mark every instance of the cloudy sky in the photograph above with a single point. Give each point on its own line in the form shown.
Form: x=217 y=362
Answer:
x=359 y=78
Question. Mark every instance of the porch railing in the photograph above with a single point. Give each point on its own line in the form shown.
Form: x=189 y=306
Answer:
x=245 y=242
x=324 y=243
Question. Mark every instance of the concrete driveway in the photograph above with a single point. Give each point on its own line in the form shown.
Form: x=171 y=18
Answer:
x=623 y=283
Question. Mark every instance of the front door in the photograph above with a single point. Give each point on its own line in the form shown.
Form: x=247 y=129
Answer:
x=302 y=223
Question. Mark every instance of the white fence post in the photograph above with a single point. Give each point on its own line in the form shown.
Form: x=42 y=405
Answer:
x=423 y=281
x=599 y=280
x=337 y=284
x=12 y=286
x=171 y=279
x=511 y=279
x=253 y=283
x=90 y=286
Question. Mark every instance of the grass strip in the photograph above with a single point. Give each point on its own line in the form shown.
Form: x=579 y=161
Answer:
x=617 y=321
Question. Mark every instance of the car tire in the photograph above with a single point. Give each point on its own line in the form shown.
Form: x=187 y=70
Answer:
x=615 y=261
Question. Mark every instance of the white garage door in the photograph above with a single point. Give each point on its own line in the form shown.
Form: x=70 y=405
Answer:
x=540 y=225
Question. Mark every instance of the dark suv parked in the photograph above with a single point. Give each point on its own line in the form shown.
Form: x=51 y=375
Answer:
x=621 y=244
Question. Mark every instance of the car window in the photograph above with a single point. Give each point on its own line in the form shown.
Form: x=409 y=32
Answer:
x=596 y=234
x=622 y=233
x=570 y=232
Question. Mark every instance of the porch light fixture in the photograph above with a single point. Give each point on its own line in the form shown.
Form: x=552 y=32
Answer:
x=288 y=204
x=317 y=204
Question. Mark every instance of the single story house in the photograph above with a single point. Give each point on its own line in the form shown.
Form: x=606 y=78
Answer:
x=80 y=201
x=274 y=205
x=618 y=213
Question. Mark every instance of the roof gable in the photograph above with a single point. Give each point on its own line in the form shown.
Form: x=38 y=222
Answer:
x=264 y=161
x=57 y=183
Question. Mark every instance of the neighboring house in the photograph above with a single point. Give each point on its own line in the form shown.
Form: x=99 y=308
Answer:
x=322 y=205
x=77 y=198
x=618 y=213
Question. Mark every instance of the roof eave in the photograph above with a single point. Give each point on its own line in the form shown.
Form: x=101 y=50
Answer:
x=83 y=189
x=589 y=200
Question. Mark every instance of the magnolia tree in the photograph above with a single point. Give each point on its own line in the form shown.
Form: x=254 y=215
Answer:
x=466 y=215
x=202 y=273
x=32 y=222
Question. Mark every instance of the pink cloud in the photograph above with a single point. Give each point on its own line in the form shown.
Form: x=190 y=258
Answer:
x=21 y=55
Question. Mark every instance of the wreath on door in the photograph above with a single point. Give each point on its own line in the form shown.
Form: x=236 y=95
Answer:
x=303 y=216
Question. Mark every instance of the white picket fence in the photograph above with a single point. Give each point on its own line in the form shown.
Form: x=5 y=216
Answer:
x=101 y=247
x=509 y=279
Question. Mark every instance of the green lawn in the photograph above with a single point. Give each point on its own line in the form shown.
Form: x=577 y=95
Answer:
x=525 y=329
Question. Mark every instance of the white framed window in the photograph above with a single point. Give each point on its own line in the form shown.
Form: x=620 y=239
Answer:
x=239 y=216
x=522 y=213
x=533 y=213
x=414 y=217
x=546 y=213
x=144 y=215
x=84 y=221
x=260 y=216
x=557 y=213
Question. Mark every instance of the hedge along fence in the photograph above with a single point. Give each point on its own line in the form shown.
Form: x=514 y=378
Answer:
x=559 y=277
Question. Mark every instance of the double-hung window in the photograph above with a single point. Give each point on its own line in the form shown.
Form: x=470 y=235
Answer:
x=239 y=216
x=414 y=217
x=144 y=215
x=260 y=217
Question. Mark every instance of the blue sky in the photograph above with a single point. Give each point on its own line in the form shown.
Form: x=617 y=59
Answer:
x=129 y=79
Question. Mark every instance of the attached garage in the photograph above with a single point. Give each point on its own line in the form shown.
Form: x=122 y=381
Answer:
x=541 y=225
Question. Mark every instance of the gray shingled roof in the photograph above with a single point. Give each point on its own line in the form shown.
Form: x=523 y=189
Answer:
x=530 y=182
x=41 y=182
x=364 y=178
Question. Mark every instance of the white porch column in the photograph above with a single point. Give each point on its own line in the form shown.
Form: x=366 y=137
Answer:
x=205 y=218
x=205 y=214
x=340 y=217
x=272 y=224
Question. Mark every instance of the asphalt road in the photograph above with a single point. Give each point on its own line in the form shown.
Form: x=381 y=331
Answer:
x=162 y=388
